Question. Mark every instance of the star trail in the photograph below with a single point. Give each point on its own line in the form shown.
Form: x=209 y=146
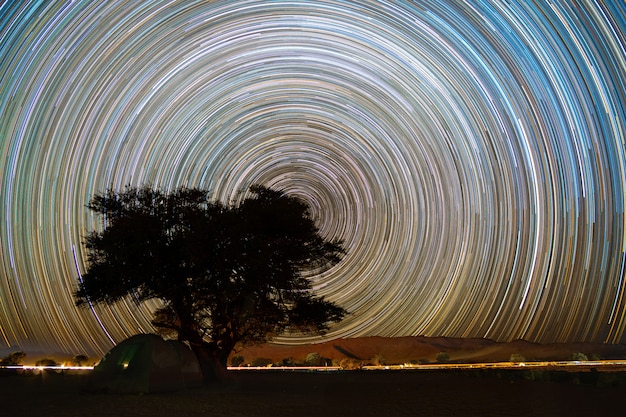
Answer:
x=471 y=154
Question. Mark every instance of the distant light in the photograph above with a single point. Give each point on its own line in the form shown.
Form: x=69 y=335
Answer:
x=40 y=368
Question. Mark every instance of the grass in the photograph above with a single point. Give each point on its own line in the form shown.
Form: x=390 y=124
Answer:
x=327 y=394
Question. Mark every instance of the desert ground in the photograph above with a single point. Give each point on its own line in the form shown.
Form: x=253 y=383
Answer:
x=397 y=350
x=345 y=393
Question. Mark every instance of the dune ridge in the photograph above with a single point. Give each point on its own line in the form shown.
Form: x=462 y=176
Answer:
x=425 y=349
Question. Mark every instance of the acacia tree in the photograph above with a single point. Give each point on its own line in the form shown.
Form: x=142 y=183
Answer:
x=226 y=275
x=14 y=358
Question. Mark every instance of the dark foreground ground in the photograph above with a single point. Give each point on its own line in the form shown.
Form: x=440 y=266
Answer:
x=325 y=394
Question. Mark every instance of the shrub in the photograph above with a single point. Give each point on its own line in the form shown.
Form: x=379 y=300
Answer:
x=14 y=358
x=315 y=359
x=78 y=360
x=46 y=362
x=261 y=362
x=378 y=360
x=288 y=362
x=517 y=357
x=443 y=357
x=237 y=360
x=579 y=356
x=350 y=364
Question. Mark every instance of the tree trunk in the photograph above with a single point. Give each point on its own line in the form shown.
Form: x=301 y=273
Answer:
x=211 y=361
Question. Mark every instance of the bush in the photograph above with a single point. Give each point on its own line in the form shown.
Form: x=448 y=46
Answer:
x=237 y=360
x=261 y=362
x=517 y=357
x=79 y=360
x=315 y=359
x=579 y=356
x=46 y=362
x=14 y=358
x=288 y=362
x=350 y=364
x=443 y=357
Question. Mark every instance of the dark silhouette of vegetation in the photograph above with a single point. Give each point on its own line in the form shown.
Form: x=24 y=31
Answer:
x=315 y=359
x=261 y=362
x=517 y=357
x=442 y=357
x=378 y=360
x=288 y=362
x=237 y=360
x=79 y=360
x=350 y=364
x=46 y=362
x=227 y=275
x=13 y=359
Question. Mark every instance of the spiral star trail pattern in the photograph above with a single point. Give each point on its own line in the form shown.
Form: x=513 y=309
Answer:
x=470 y=153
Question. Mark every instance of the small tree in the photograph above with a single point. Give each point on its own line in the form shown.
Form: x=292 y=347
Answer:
x=46 y=362
x=288 y=362
x=14 y=358
x=517 y=357
x=261 y=362
x=78 y=360
x=350 y=364
x=378 y=360
x=226 y=275
x=442 y=357
x=237 y=360
x=314 y=359
x=579 y=356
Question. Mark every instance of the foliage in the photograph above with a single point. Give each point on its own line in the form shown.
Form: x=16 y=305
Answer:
x=378 y=360
x=288 y=362
x=226 y=275
x=14 y=358
x=442 y=357
x=517 y=357
x=579 y=356
x=350 y=364
x=260 y=362
x=237 y=360
x=46 y=362
x=315 y=359
x=79 y=360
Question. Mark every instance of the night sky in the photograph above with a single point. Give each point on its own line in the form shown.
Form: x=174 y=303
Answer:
x=471 y=154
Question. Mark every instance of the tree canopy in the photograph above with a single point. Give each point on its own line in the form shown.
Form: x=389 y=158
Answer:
x=226 y=275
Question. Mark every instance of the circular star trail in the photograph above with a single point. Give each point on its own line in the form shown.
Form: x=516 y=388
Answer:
x=471 y=155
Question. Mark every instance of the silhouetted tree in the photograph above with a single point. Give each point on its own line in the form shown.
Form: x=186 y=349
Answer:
x=315 y=359
x=46 y=362
x=78 y=360
x=225 y=275
x=442 y=357
x=237 y=360
x=14 y=358
x=579 y=356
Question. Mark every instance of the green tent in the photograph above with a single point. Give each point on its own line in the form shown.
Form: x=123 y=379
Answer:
x=146 y=363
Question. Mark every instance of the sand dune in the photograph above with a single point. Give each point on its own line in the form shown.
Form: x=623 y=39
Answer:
x=405 y=349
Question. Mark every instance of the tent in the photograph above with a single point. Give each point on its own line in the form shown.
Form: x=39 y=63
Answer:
x=189 y=366
x=146 y=363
